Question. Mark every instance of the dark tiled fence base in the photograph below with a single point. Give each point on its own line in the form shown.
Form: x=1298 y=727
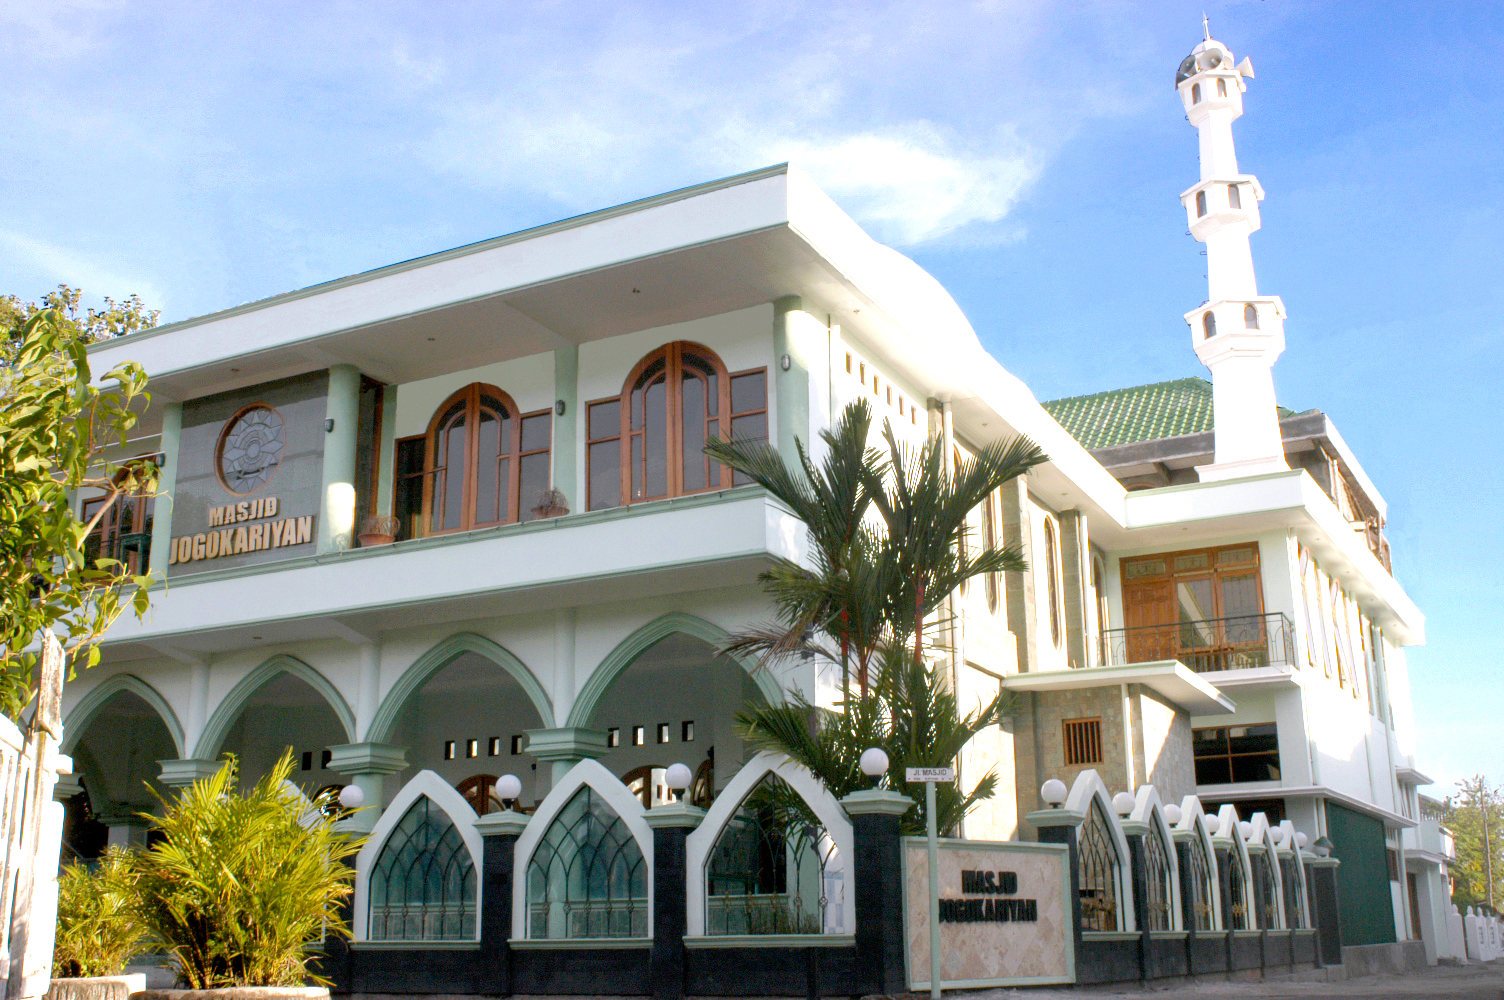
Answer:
x=1116 y=957
x=796 y=972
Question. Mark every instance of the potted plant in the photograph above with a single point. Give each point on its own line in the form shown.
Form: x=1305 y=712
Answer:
x=243 y=885
x=379 y=529
x=97 y=931
x=551 y=503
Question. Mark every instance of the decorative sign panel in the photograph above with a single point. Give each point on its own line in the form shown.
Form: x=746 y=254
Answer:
x=250 y=474
x=1004 y=915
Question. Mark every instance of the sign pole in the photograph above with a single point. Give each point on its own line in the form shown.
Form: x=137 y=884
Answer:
x=930 y=775
x=934 y=851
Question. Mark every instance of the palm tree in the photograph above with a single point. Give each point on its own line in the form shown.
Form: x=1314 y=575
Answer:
x=888 y=533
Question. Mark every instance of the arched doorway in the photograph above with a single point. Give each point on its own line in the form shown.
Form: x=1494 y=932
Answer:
x=115 y=757
x=469 y=720
x=676 y=703
x=285 y=712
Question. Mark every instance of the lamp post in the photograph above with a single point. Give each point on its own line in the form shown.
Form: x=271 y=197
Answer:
x=508 y=789
x=678 y=779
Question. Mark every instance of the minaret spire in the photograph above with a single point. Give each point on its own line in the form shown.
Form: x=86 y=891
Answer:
x=1237 y=332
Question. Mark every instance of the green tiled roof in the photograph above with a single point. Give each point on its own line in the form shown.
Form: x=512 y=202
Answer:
x=1139 y=413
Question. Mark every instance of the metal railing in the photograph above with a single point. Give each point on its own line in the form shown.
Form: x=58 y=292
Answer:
x=1207 y=644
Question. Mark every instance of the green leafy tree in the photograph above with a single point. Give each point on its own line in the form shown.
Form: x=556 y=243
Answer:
x=97 y=929
x=242 y=884
x=56 y=431
x=1476 y=819
x=115 y=319
x=890 y=545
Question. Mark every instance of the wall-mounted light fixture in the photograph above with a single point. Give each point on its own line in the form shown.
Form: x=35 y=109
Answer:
x=559 y=407
x=785 y=362
x=329 y=425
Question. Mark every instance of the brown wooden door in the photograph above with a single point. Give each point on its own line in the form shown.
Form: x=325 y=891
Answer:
x=1149 y=603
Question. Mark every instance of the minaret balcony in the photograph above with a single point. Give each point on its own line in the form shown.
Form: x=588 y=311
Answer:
x=1215 y=204
x=1212 y=90
x=1238 y=327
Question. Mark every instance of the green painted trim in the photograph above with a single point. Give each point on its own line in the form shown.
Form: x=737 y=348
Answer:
x=439 y=656
x=464 y=251
x=415 y=946
x=578 y=944
x=565 y=453
x=161 y=525
x=629 y=649
x=479 y=534
x=229 y=707
x=711 y=941
x=90 y=705
x=1112 y=935
x=1183 y=487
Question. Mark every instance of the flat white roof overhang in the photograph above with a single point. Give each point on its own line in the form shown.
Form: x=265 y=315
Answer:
x=705 y=250
x=1184 y=516
x=1170 y=679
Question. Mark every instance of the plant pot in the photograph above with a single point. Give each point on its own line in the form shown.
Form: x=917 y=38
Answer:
x=97 y=987
x=367 y=540
x=238 y=993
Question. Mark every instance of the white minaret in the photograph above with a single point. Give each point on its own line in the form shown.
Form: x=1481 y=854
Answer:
x=1237 y=333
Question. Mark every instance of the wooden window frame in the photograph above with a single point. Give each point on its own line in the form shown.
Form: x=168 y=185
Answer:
x=1081 y=741
x=471 y=394
x=672 y=354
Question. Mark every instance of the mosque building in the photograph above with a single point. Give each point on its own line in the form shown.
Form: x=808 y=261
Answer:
x=449 y=520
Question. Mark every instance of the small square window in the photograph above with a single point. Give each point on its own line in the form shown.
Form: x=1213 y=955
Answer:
x=472 y=748
x=861 y=373
x=687 y=730
x=613 y=736
x=877 y=385
x=324 y=759
x=900 y=406
x=663 y=732
x=493 y=747
x=848 y=362
x=449 y=749
x=890 y=395
x=1083 y=741
x=639 y=736
x=308 y=760
x=516 y=745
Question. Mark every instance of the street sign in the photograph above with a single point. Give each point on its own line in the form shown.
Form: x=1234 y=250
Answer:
x=917 y=774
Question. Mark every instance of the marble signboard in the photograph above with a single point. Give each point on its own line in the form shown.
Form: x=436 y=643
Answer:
x=1004 y=919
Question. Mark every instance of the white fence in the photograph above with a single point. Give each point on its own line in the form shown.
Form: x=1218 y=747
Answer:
x=31 y=832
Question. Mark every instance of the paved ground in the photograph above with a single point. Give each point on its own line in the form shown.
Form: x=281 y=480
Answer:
x=1471 y=982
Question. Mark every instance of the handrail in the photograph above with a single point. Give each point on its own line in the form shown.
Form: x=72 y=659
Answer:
x=1239 y=642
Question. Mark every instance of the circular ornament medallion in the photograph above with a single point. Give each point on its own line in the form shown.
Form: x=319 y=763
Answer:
x=250 y=449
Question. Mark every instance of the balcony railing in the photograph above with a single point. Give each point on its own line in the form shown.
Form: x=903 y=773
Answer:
x=1207 y=644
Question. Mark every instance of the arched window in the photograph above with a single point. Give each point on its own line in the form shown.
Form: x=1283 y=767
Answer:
x=423 y=882
x=587 y=878
x=1097 y=872
x=485 y=463
x=480 y=791
x=993 y=582
x=1203 y=908
x=648 y=443
x=1052 y=571
x=1251 y=316
x=1240 y=918
x=1157 y=887
x=1200 y=204
x=1195 y=93
x=1221 y=87
x=767 y=873
x=1209 y=324
x=1234 y=197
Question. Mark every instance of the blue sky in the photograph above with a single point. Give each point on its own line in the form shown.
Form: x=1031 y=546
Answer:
x=1028 y=154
